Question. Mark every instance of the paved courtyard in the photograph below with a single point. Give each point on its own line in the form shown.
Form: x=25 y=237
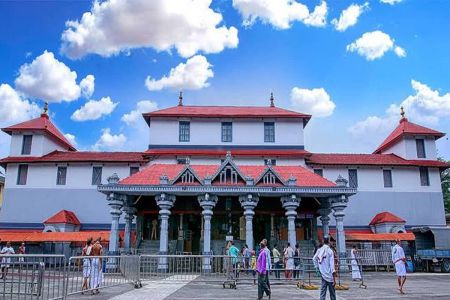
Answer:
x=379 y=286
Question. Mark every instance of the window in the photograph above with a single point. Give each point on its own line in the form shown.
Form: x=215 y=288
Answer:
x=420 y=145
x=269 y=132
x=185 y=131
x=26 y=144
x=318 y=172
x=353 y=178
x=134 y=170
x=61 y=176
x=183 y=161
x=22 y=175
x=227 y=131
x=387 y=178
x=96 y=175
x=424 y=176
x=270 y=161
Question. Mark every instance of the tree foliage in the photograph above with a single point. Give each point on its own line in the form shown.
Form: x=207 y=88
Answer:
x=445 y=182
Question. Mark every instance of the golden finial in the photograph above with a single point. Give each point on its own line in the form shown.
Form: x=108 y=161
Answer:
x=272 y=103
x=180 y=99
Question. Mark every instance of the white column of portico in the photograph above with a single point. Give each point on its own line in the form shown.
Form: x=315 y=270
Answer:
x=290 y=204
x=248 y=203
x=207 y=202
x=338 y=205
x=324 y=211
x=165 y=203
x=115 y=202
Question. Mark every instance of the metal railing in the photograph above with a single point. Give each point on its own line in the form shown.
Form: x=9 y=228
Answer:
x=373 y=258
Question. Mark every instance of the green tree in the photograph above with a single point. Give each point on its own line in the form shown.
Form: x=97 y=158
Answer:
x=445 y=182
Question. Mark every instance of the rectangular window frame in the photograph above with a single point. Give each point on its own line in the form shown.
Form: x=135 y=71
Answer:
x=353 y=180
x=387 y=178
x=184 y=131
x=61 y=175
x=227 y=132
x=27 y=141
x=22 y=174
x=273 y=161
x=424 y=176
x=318 y=172
x=134 y=170
x=269 y=132
x=97 y=175
x=420 y=147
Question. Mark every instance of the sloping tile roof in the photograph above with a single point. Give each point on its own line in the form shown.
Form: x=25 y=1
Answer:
x=370 y=160
x=151 y=175
x=43 y=124
x=408 y=236
x=222 y=152
x=406 y=128
x=39 y=236
x=386 y=217
x=226 y=112
x=63 y=216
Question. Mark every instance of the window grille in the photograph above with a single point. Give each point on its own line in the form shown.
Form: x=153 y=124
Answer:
x=61 y=176
x=353 y=178
x=26 y=144
x=184 y=131
x=96 y=175
x=269 y=132
x=227 y=132
x=387 y=177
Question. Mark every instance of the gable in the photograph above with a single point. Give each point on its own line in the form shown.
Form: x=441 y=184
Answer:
x=187 y=177
x=269 y=177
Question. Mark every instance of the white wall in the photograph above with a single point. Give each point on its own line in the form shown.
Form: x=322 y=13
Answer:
x=208 y=132
x=40 y=144
x=240 y=161
x=407 y=148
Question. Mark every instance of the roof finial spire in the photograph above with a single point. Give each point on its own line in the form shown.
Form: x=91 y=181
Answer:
x=45 y=111
x=402 y=113
x=180 y=99
x=272 y=103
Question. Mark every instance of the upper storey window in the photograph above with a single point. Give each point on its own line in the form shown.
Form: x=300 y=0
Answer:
x=22 y=175
x=184 y=131
x=353 y=178
x=424 y=176
x=26 y=144
x=420 y=145
x=227 y=132
x=269 y=132
x=96 y=175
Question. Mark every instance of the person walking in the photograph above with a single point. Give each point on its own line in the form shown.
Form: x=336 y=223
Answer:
x=324 y=261
x=261 y=269
x=86 y=252
x=277 y=261
x=289 y=257
x=246 y=254
x=233 y=252
x=253 y=266
x=399 y=260
x=297 y=261
x=356 y=274
x=7 y=251
x=96 y=266
x=268 y=262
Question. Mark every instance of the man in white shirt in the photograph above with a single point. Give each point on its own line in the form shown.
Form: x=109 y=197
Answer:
x=399 y=260
x=324 y=261
x=7 y=250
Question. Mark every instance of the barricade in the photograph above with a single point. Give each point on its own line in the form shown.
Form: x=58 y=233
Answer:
x=375 y=259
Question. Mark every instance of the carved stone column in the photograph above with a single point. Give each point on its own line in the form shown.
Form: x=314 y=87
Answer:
x=290 y=204
x=248 y=203
x=129 y=216
x=207 y=202
x=115 y=203
x=324 y=211
x=165 y=203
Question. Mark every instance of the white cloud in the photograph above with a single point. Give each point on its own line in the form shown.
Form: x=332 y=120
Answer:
x=373 y=45
x=281 y=14
x=141 y=107
x=192 y=75
x=114 y=26
x=14 y=108
x=108 y=141
x=391 y=2
x=71 y=138
x=87 y=86
x=349 y=16
x=315 y=101
x=94 y=110
x=48 y=79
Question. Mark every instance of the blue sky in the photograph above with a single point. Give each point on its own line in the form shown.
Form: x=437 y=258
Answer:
x=300 y=56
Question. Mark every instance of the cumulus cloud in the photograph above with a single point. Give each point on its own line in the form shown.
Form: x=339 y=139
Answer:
x=14 y=108
x=315 y=101
x=113 y=26
x=108 y=141
x=280 y=14
x=48 y=79
x=349 y=16
x=391 y=2
x=192 y=75
x=94 y=110
x=87 y=86
x=141 y=107
x=71 y=138
x=373 y=45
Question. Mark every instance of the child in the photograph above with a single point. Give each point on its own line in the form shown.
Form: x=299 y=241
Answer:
x=253 y=266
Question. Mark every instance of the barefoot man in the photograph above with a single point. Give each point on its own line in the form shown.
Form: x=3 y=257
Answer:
x=399 y=260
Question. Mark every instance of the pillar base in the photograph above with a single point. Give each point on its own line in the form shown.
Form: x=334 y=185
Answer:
x=163 y=262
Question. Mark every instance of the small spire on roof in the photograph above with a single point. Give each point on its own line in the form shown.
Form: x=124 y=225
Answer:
x=402 y=113
x=45 y=111
x=180 y=99
x=272 y=103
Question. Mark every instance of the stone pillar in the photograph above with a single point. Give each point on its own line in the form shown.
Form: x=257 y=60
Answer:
x=115 y=202
x=338 y=205
x=207 y=202
x=165 y=203
x=129 y=216
x=272 y=227
x=248 y=203
x=324 y=211
x=290 y=204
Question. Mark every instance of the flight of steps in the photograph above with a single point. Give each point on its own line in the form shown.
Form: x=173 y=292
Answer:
x=149 y=247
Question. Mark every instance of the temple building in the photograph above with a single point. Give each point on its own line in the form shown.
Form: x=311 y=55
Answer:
x=217 y=173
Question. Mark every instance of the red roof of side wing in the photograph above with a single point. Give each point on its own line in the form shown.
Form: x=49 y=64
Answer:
x=225 y=112
x=386 y=217
x=64 y=216
x=406 y=128
x=43 y=124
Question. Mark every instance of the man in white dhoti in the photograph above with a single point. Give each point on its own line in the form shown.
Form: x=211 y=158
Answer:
x=399 y=260
x=324 y=261
x=356 y=274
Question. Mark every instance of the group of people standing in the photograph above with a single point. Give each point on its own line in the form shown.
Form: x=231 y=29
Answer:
x=8 y=250
x=92 y=265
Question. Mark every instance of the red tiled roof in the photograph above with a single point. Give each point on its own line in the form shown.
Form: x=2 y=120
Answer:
x=151 y=174
x=78 y=156
x=370 y=160
x=63 y=216
x=406 y=128
x=39 y=236
x=43 y=124
x=225 y=112
x=222 y=152
x=408 y=236
x=386 y=217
